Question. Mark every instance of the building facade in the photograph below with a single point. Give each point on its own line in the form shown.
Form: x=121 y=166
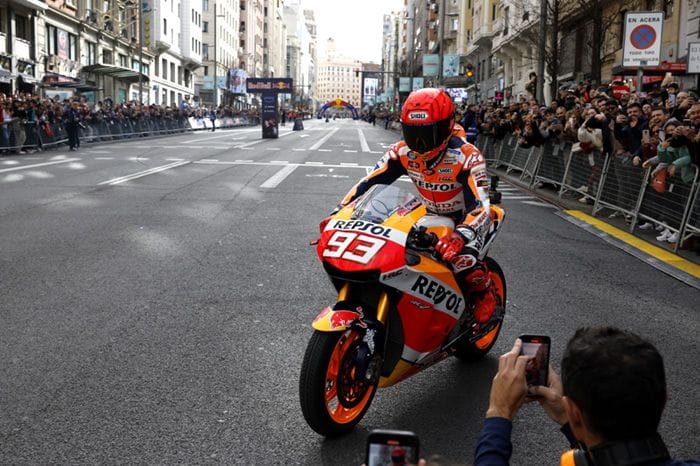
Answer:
x=338 y=77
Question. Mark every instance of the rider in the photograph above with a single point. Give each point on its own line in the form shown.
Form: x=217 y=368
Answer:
x=450 y=176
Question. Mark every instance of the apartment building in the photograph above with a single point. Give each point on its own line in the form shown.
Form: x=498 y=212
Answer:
x=21 y=56
x=220 y=50
x=338 y=77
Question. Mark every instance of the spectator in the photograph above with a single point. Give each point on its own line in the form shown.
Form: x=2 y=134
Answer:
x=609 y=404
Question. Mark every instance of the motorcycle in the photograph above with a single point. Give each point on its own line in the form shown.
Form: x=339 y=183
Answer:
x=399 y=309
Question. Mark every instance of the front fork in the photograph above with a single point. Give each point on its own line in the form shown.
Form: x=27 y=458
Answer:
x=347 y=313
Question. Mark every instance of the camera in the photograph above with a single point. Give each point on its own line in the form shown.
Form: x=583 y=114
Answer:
x=537 y=347
x=391 y=447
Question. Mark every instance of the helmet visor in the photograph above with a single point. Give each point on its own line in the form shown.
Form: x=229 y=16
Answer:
x=423 y=138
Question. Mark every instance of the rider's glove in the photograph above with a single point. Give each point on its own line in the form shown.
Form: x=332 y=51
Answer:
x=452 y=245
x=449 y=246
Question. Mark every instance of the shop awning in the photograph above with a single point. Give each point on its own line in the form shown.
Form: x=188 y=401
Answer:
x=29 y=79
x=118 y=72
x=663 y=68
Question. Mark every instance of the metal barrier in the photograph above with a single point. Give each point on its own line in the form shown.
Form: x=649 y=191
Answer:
x=606 y=182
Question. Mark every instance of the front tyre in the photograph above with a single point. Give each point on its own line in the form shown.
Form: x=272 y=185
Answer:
x=332 y=401
x=472 y=351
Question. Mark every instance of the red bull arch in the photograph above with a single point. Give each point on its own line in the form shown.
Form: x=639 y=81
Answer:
x=335 y=103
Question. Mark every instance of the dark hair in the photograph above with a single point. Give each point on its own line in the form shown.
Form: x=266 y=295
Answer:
x=617 y=380
x=634 y=104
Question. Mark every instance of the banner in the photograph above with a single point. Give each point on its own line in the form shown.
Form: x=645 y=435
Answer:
x=270 y=85
x=404 y=84
x=450 y=66
x=418 y=83
x=237 y=78
x=62 y=48
x=370 y=93
x=269 y=115
x=431 y=65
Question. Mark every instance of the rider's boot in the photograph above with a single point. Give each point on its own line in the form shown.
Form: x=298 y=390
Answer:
x=482 y=292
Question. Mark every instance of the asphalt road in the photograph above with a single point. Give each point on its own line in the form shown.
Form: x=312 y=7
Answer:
x=156 y=299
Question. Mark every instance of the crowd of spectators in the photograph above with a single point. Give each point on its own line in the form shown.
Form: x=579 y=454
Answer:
x=659 y=129
x=21 y=110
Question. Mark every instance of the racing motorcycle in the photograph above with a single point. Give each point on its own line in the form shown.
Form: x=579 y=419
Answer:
x=399 y=309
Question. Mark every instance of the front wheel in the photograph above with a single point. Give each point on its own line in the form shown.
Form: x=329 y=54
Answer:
x=332 y=401
x=471 y=351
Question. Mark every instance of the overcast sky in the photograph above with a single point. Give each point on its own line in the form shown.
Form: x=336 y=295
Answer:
x=356 y=25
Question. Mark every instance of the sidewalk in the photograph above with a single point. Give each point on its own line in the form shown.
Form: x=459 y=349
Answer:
x=684 y=266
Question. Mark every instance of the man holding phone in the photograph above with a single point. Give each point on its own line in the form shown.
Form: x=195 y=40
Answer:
x=609 y=405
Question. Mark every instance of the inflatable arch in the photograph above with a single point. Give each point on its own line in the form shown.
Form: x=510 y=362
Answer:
x=337 y=103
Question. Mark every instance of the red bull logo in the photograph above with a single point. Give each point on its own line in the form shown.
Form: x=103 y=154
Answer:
x=344 y=318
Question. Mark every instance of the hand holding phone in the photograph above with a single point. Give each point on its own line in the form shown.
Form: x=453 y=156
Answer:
x=391 y=447
x=537 y=348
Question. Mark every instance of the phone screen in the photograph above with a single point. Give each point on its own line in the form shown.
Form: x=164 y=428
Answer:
x=391 y=447
x=536 y=346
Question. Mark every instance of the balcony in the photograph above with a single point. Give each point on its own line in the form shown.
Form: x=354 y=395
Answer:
x=483 y=35
x=21 y=48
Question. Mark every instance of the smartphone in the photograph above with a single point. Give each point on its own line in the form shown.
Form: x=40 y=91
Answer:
x=672 y=99
x=536 y=346
x=391 y=447
x=645 y=136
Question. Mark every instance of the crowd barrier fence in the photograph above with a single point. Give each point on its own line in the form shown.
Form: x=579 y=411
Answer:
x=20 y=136
x=609 y=183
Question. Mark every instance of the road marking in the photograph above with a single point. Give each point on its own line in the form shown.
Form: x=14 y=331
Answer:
x=348 y=150
x=313 y=163
x=138 y=159
x=348 y=164
x=272 y=148
x=104 y=158
x=325 y=150
x=363 y=141
x=324 y=139
x=35 y=165
x=376 y=152
x=240 y=161
x=657 y=257
x=174 y=160
x=226 y=134
x=509 y=196
x=151 y=171
x=278 y=177
x=539 y=204
x=299 y=150
x=210 y=160
x=267 y=164
x=279 y=162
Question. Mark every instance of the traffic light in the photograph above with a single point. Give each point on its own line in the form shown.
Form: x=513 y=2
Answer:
x=470 y=74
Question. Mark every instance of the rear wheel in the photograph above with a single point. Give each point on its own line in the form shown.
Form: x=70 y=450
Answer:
x=332 y=401
x=471 y=351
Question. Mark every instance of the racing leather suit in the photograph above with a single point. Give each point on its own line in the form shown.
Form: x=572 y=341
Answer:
x=453 y=184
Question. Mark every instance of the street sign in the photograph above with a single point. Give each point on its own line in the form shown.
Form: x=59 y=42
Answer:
x=694 y=57
x=642 y=45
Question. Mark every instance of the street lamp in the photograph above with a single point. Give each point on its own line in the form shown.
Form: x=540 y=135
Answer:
x=216 y=63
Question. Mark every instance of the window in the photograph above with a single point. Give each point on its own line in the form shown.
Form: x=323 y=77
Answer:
x=668 y=8
x=72 y=47
x=506 y=20
x=165 y=27
x=493 y=12
x=205 y=5
x=179 y=75
x=107 y=57
x=172 y=72
x=205 y=51
x=165 y=68
x=206 y=71
x=91 y=49
x=23 y=31
x=122 y=60
x=205 y=26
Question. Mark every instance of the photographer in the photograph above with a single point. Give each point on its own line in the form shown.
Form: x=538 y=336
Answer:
x=609 y=405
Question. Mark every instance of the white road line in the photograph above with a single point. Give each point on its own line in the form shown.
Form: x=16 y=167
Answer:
x=540 y=204
x=138 y=159
x=279 y=162
x=226 y=134
x=151 y=171
x=299 y=150
x=35 y=165
x=313 y=163
x=348 y=164
x=324 y=139
x=104 y=158
x=506 y=196
x=325 y=150
x=174 y=160
x=267 y=164
x=210 y=160
x=363 y=141
x=278 y=177
x=349 y=150
x=376 y=152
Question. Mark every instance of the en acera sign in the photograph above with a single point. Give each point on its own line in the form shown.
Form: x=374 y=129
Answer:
x=642 y=46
